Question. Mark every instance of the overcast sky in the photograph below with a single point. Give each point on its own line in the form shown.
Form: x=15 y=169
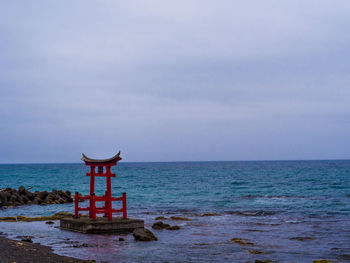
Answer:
x=174 y=80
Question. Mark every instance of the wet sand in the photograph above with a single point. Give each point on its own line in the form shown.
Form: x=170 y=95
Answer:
x=26 y=252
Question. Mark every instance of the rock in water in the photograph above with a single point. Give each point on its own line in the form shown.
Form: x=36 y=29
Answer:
x=143 y=234
x=160 y=225
x=173 y=228
x=12 y=197
x=21 y=190
x=27 y=239
x=160 y=218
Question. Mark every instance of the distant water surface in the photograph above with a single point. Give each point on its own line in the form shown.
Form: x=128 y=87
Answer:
x=292 y=211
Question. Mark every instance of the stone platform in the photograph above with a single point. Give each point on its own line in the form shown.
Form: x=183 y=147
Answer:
x=101 y=225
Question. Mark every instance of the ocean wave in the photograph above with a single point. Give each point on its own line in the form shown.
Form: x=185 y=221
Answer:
x=272 y=196
x=251 y=213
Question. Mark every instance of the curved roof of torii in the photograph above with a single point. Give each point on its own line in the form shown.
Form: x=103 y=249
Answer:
x=115 y=158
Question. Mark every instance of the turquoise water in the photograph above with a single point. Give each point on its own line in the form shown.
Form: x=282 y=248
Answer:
x=274 y=204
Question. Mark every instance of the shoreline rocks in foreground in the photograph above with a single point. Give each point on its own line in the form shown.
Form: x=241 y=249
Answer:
x=22 y=196
x=24 y=251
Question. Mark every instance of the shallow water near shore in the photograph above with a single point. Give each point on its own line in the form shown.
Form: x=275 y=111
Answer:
x=291 y=211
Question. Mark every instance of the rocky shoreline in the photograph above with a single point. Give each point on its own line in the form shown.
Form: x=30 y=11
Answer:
x=27 y=252
x=22 y=196
x=56 y=216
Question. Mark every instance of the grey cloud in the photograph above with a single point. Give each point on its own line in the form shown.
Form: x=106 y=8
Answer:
x=174 y=80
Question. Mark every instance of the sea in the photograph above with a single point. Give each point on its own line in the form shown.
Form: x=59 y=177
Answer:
x=283 y=211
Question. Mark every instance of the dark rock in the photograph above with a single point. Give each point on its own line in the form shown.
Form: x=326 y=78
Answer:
x=242 y=242
x=37 y=200
x=121 y=239
x=30 y=195
x=68 y=242
x=21 y=190
x=27 y=240
x=344 y=256
x=50 y=197
x=2 y=198
x=20 y=199
x=143 y=234
x=5 y=196
x=160 y=218
x=302 y=238
x=42 y=195
x=68 y=198
x=173 y=228
x=24 y=237
x=160 y=225
x=13 y=191
x=63 y=196
x=256 y=252
x=12 y=197
x=262 y=261
x=84 y=245
x=81 y=245
x=25 y=199
x=25 y=193
x=8 y=195
x=49 y=222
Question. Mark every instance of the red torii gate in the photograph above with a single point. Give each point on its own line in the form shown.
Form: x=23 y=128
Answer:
x=104 y=170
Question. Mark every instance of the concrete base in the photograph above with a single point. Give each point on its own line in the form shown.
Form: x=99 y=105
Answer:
x=101 y=225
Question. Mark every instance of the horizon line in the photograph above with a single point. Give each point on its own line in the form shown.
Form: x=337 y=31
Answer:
x=207 y=161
